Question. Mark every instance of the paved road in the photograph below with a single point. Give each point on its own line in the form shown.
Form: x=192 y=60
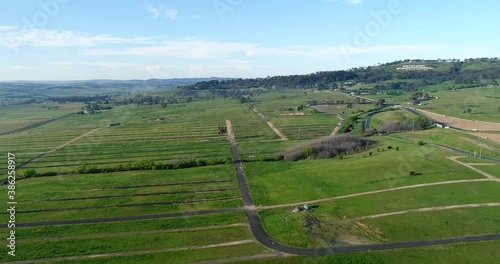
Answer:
x=261 y=235
x=258 y=230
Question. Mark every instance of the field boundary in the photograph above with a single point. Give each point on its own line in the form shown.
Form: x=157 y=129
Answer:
x=271 y=125
x=339 y=125
x=429 y=209
x=460 y=123
x=35 y=125
x=133 y=253
x=487 y=175
x=178 y=230
x=57 y=148
x=373 y=192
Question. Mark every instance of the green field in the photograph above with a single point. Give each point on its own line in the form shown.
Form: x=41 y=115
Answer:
x=188 y=134
x=482 y=101
x=392 y=117
x=483 y=252
x=456 y=139
x=16 y=117
x=291 y=228
x=278 y=182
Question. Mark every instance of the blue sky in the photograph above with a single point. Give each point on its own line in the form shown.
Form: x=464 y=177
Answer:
x=114 y=39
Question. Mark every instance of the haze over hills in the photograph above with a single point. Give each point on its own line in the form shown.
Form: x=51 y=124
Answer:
x=405 y=75
x=402 y=75
x=20 y=91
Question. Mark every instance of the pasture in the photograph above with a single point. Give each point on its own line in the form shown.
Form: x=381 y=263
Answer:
x=195 y=213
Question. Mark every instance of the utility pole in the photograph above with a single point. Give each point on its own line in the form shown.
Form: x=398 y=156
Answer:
x=299 y=132
x=481 y=152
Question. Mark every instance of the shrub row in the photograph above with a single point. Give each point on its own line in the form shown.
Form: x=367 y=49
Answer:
x=137 y=165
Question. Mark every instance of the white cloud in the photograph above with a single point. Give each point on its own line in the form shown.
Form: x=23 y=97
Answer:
x=191 y=49
x=22 y=67
x=51 y=38
x=6 y=28
x=352 y=2
x=153 y=10
x=199 y=49
x=171 y=13
x=162 y=10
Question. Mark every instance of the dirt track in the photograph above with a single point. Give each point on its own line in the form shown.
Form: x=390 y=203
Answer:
x=487 y=175
x=462 y=123
x=281 y=135
x=133 y=253
x=58 y=148
x=271 y=125
x=430 y=209
x=373 y=192
x=492 y=137
x=337 y=128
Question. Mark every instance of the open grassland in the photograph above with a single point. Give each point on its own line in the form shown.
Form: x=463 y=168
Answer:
x=126 y=193
x=190 y=132
x=285 y=182
x=127 y=211
x=483 y=102
x=436 y=225
x=298 y=124
x=181 y=136
x=306 y=127
x=67 y=232
x=301 y=229
x=493 y=170
x=18 y=116
x=181 y=256
x=133 y=242
x=456 y=139
x=482 y=252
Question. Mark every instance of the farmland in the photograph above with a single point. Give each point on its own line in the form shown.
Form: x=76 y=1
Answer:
x=161 y=184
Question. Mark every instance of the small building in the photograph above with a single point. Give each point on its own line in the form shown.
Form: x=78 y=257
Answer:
x=442 y=125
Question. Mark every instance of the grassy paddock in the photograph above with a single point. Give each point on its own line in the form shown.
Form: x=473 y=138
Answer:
x=480 y=252
x=436 y=225
x=91 y=246
x=285 y=182
x=135 y=226
x=186 y=256
x=291 y=228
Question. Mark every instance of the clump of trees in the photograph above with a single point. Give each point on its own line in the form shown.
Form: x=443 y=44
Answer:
x=419 y=123
x=222 y=130
x=328 y=148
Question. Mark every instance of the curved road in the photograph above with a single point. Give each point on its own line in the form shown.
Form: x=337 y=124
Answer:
x=261 y=235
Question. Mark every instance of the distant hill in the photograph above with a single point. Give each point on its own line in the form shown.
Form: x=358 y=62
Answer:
x=20 y=91
x=406 y=75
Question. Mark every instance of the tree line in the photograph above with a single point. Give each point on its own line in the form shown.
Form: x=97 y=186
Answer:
x=471 y=71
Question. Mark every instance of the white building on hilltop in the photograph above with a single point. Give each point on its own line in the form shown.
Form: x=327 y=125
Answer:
x=415 y=68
